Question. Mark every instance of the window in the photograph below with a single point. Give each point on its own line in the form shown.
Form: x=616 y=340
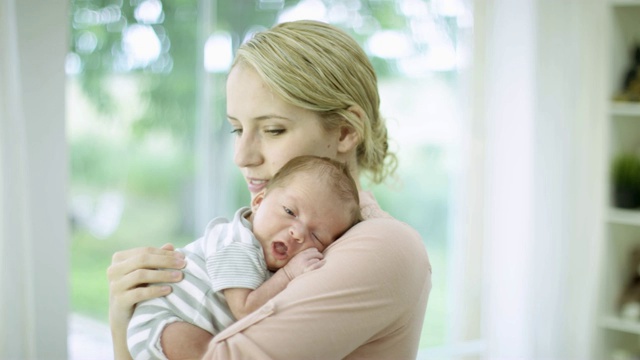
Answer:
x=151 y=157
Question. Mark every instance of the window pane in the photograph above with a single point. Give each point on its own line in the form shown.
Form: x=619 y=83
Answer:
x=131 y=91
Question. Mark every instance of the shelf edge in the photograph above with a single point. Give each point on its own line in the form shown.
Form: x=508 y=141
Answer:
x=612 y=322
x=625 y=217
x=619 y=108
x=624 y=2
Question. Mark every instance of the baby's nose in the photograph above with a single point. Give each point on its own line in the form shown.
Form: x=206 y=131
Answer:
x=297 y=233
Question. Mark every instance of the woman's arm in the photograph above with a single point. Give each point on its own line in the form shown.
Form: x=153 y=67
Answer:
x=181 y=340
x=129 y=275
x=368 y=300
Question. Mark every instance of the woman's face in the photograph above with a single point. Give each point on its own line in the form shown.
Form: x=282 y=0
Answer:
x=270 y=132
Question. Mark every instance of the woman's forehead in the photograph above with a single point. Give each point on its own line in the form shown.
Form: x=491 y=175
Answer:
x=244 y=78
x=249 y=96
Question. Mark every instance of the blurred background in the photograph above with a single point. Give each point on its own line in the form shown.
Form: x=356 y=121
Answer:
x=113 y=136
x=150 y=146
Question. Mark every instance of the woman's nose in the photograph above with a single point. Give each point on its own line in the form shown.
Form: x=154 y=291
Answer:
x=247 y=151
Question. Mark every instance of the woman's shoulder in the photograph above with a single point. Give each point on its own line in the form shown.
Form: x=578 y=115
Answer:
x=384 y=229
x=385 y=249
x=369 y=207
x=382 y=237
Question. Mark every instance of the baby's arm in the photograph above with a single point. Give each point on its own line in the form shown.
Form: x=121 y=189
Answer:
x=182 y=340
x=242 y=302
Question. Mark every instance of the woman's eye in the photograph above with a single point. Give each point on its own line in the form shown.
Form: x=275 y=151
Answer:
x=274 y=131
x=237 y=131
x=288 y=211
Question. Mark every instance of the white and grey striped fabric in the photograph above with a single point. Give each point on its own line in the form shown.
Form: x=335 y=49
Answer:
x=227 y=256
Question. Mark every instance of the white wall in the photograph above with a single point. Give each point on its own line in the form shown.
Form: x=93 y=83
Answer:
x=33 y=180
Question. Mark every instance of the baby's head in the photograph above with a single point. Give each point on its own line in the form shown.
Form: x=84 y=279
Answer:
x=310 y=202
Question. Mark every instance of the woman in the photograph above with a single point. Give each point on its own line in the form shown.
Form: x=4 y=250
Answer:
x=306 y=88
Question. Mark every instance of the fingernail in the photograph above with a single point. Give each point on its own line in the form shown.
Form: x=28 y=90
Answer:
x=166 y=289
x=178 y=255
x=176 y=274
x=180 y=263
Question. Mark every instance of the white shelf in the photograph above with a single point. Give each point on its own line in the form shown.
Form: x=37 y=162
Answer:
x=625 y=2
x=621 y=125
x=619 y=108
x=616 y=323
x=624 y=217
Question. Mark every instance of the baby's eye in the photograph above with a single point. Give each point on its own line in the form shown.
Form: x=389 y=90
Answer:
x=288 y=211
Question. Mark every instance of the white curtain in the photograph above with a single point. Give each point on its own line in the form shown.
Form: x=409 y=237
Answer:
x=33 y=178
x=538 y=98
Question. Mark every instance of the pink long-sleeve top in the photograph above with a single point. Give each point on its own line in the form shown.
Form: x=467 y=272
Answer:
x=367 y=301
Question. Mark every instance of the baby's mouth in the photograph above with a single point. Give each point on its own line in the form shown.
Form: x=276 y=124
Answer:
x=280 y=250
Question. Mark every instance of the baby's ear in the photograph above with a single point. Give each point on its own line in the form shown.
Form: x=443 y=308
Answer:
x=257 y=200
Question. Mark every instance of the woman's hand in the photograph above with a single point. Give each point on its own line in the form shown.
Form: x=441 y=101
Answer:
x=130 y=274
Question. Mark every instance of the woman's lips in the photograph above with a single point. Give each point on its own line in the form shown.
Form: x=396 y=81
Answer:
x=256 y=185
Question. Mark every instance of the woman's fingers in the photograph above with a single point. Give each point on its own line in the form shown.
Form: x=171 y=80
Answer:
x=138 y=279
x=121 y=267
x=132 y=275
x=132 y=270
x=120 y=256
x=132 y=288
x=167 y=246
x=145 y=276
x=121 y=306
x=139 y=294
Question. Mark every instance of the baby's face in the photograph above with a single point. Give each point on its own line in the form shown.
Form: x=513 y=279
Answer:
x=305 y=213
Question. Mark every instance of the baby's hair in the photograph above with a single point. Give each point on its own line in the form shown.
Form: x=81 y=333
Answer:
x=334 y=172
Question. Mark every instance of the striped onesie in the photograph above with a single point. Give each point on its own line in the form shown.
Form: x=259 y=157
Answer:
x=227 y=256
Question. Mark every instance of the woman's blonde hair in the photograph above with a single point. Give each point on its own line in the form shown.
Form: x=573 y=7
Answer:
x=319 y=67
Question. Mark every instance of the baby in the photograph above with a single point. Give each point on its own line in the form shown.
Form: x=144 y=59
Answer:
x=237 y=266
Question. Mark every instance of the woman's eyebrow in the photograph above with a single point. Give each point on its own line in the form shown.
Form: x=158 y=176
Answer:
x=263 y=117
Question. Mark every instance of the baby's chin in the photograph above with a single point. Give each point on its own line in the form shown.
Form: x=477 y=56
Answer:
x=274 y=264
x=273 y=267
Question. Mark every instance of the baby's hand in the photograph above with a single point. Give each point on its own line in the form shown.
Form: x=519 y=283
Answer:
x=306 y=260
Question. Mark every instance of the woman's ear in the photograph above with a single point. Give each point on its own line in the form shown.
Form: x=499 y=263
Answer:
x=349 y=138
x=257 y=200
